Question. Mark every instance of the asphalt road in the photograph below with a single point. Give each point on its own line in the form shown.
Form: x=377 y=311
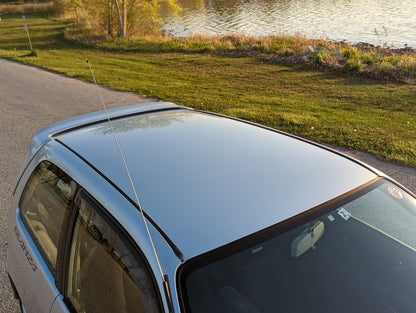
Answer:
x=31 y=98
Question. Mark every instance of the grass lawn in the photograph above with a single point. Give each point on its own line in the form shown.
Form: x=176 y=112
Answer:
x=335 y=108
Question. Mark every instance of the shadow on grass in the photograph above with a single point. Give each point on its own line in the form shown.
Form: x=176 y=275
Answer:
x=33 y=53
x=347 y=78
x=42 y=35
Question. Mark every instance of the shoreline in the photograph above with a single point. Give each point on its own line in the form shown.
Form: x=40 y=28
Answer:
x=363 y=59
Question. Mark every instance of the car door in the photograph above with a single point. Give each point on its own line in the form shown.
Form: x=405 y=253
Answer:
x=36 y=236
x=104 y=272
x=73 y=256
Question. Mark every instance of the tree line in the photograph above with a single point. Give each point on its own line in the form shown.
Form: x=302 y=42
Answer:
x=121 y=18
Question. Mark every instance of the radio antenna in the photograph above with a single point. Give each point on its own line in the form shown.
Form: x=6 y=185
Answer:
x=164 y=277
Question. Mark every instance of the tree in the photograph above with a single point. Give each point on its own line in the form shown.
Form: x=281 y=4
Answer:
x=133 y=17
x=122 y=18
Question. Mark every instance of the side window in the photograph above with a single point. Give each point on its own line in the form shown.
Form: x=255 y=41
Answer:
x=46 y=198
x=105 y=274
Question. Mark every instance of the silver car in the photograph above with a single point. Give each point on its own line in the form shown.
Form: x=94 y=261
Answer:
x=169 y=209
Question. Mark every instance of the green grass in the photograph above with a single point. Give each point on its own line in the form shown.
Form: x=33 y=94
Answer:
x=335 y=108
x=20 y=8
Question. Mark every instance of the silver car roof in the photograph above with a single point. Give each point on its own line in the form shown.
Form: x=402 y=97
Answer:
x=207 y=180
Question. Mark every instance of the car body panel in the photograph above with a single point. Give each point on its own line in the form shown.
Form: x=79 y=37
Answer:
x=192 y=167
x=27 y=265
x=59 y=305
x=116 y=204
x=31 y=275
x=44 y=134
x=203 y=181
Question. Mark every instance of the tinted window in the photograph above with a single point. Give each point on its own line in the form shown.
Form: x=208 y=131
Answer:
x=105 y=274
x=45 y=200
x=353 y=256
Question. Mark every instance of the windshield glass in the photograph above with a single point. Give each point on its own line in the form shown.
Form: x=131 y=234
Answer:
x=357 y=255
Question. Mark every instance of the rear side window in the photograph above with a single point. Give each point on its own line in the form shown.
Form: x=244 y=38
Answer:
x=46 y=198
x=105 y=273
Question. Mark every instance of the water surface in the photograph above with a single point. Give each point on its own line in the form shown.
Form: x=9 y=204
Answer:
x=380 y=22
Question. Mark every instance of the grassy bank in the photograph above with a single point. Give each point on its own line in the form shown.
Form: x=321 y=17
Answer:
x=335 y=108
x=365 y=60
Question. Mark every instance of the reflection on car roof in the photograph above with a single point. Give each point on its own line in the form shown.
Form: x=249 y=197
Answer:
x=207 y=180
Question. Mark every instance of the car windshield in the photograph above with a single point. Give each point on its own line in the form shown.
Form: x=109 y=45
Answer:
x=355 y=255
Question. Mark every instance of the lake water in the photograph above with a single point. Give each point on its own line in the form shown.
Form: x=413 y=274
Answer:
x=390 y=22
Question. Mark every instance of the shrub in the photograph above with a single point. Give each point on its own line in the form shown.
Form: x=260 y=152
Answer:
x=320 y=57
x=384 y=68
x=353 y=65
x=408 y=65
x=350 y=53
x=367 y=59
x=322 y=43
